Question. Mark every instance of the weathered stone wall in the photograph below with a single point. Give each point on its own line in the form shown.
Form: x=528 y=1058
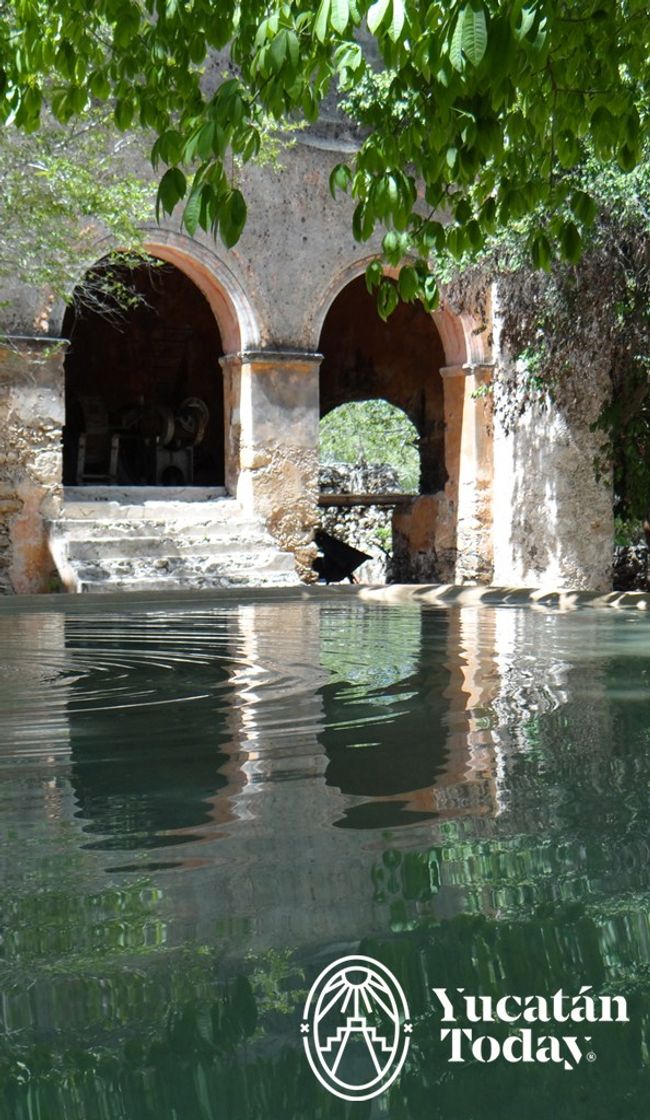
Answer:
x=368 y=528
x=631 y=567
x=553 y=519
x=424 y=541
x=31 y=418
x=553 y=522
x=274 y=410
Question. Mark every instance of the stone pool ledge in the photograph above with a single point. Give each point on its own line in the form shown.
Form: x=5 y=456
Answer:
x=474 y=594
x=435 y=594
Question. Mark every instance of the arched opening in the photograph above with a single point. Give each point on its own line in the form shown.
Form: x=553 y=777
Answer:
x=383 y=418
x=372 y=434
x=398 y=362
x=143 y=385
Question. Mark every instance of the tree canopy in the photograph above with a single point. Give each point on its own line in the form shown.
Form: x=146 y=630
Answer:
x=374 y=432
x=60 y=191
x=478 y=110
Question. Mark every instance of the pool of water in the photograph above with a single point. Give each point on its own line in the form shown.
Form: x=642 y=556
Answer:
x=204 y=804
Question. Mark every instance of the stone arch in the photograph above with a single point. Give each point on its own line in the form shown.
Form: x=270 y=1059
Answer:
x=344 y=430
x=164 y=351
x=224 y=291
x=462 y=340
x=398 y=361
x=225 y=294
x=445 y=534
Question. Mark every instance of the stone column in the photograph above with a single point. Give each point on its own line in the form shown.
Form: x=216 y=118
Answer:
x=447 y=537
x=473 y=448
x=272 y=416
x=31 y=421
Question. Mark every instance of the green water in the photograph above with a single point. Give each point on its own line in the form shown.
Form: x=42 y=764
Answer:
x=203 y=805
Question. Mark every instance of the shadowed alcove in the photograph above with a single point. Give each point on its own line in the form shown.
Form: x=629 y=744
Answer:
x=143 y=384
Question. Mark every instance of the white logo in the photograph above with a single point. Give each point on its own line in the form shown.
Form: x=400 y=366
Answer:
x=356 y=1029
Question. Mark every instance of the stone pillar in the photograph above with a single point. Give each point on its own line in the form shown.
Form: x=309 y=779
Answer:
x=31 y=421
x=272 y=416
x=474 y=561
x=460 y=525
x=447 y=537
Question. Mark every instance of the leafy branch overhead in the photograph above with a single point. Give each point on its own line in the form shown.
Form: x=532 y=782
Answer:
x=476 y=115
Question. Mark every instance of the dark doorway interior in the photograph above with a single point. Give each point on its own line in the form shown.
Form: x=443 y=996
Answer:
x=143 y=385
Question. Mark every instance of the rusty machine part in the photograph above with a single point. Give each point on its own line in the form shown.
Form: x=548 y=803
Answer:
x=157 y=423
x=191 y=422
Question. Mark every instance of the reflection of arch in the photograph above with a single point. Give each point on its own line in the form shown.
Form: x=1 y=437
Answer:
x=397 y=361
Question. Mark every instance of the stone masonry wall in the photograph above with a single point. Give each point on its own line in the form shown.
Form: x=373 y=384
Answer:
x=553 y=519
x=31 y=418
x=368 y=528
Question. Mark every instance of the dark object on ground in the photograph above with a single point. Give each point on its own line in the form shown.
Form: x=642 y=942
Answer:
x=339 y=559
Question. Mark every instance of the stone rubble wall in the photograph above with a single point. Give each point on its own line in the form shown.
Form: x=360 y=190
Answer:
x=368 y=528
x=31 y=419
x=631 y=567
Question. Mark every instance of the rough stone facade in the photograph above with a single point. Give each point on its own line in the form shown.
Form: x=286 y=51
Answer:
x=367 y=527
x=519 y=507
x=553 y=519
x=31 y=417
x=631 y=570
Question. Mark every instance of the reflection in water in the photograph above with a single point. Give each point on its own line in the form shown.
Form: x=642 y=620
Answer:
x=379 y=742
x=147 y=720
x=202 y=806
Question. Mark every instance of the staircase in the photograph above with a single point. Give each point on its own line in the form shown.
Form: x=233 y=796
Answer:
x=161 y=539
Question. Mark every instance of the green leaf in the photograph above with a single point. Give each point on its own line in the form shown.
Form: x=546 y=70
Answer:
x=340 y=178
x=232 y=218
x=192 y=212
x=124 y=110
x=570 y=242
x=171 y=189
x=540 y=251
x=628 y=156
x=474 y=34
x=374 y=275
x=376 y=13
x=391 y=247
x=99 y=85
x=340 y=15
x=567 y=148
x=387 y=299
x=397 y=20
x=604 y=128
x=321 y=20
x=430 y=293
x=527 y=21
x=408 y=283
x=584 y=207
x=456 y=45
x=170 y=146
x=278 y=49
x=293 y=49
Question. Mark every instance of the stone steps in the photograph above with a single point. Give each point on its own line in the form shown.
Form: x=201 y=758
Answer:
x=103 y=544
x=162 y=544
